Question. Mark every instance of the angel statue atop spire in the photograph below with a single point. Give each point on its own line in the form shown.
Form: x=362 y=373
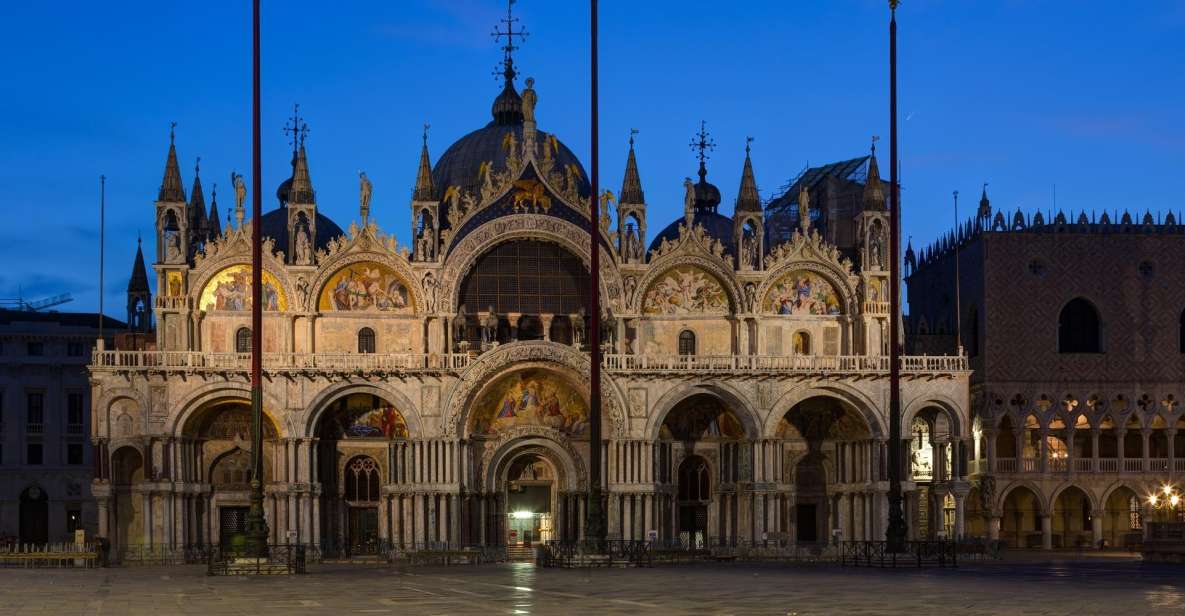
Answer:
x=364 y=190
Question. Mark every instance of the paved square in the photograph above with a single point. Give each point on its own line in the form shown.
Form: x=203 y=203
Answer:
x=1096 y=586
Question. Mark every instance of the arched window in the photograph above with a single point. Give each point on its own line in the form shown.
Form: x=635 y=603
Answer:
x=243 y=340
x=694 y=480
x=802 y=343
x=1181 y=333
x=1078 y=328
x=1135 y=519
x=366 y=340
x=362 y=479
x=687 y=342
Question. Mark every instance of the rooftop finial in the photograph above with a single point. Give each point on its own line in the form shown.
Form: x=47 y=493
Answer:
x=297 y=128
x=875 y=138
x=509 y=48
x=704 y=143
x=633 y=131
x=426 y=127
x=197 y=167
x=748 y=145
x=172 y=132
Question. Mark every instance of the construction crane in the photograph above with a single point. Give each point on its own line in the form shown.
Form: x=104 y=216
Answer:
x=36 y=306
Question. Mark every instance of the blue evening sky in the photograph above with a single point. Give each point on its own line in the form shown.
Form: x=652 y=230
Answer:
x=1024 y=94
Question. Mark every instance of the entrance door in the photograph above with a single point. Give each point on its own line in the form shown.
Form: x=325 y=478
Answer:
x=34 y=516
x=232 y=526
x=808 y=527
x=364 y=530
x=693 y=526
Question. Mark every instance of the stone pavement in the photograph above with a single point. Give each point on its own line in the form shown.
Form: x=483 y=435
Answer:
x=1018 y=587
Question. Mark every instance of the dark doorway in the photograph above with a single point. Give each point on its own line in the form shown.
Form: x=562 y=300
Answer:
x=808 y=523
x=34 y=512
x=694 y=495
x=232 y=526
x=364 y=530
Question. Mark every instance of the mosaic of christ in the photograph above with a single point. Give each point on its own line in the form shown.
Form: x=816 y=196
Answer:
x=365 y=416
x=685 y=290
x=366 y=287
x=530 y=397
x=230 y=289
x=802 y=293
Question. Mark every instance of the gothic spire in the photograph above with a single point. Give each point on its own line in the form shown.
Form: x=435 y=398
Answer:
x=424 y=190
x=874 y=194
x=631 y=184
x=748 y=199
x=215 y=229
x=171 y=189
x=138 y=283
x=197 y=205
x=985 y=206
x=301 y=191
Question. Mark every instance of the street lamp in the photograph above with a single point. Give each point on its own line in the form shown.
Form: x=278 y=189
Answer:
x=1166 y=500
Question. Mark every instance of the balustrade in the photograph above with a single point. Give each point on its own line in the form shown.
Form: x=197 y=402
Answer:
x=1108 y=465
x=1133 y=466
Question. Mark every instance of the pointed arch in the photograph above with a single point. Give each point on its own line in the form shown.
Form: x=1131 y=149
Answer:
x=1079 y=327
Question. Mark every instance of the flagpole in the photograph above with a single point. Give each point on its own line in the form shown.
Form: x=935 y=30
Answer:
x=102 y=250
x=594 y=530
x=257 y=532
x=895 y=534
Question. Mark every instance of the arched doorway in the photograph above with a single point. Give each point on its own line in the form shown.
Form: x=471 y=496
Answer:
x=355 y=432
x=932 y=465
x=836 y=448
x=1020 y=525
x=1071 y=521
x=530 y=500
x=220 y=450
x=34 y=516
x=1123 y=519
x=695 y=493
x=698 y=428
x=127 y=473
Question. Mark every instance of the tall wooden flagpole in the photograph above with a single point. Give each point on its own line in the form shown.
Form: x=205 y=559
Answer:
x=895 y=534
x=256 y=524
x=594 y=529
x=102 y=251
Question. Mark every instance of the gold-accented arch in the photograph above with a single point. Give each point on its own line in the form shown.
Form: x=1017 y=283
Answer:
x=685 y=290
x=802 y=292
x=529 y=397
x=230 y=289
x=367 y=286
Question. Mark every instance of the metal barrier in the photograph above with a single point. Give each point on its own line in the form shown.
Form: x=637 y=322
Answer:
x=624 y=552
x=281 y=559
x=914 y=553
x=50 y=555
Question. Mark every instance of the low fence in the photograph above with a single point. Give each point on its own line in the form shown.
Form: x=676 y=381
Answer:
x=280 y=559
x=50 y=555
x=913 y=553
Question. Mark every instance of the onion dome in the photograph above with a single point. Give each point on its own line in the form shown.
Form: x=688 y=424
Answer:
x=705 y=202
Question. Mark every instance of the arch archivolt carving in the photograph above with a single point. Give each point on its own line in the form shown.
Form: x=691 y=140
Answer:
x=537 y=440
x=733 y=400
x=714 y=266
x=314 y=411
x=202 y=397
x=364 y=249
x=108 y=399
x=854 y=398
x=944 y=403
x=832 y=273
x=1065 y=485
x=1122 y=483
x=998 y=506
x=524 y=227
x=520 y=355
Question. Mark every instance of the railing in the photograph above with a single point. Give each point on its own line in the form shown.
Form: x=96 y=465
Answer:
x=1108 y=465
x=1135 y=465
x=913 y=553
x=1005 y=465
x=50 y=555
x=278 y=559
x=34 y=428
x=172 y=303
x=1029 y=465
x=632 y=553
x=191 y=361
x=849 y=364
x=1158 y=465
x=1058 y=465
x=1083 y=465
x=874 y=308
x=1179 y=464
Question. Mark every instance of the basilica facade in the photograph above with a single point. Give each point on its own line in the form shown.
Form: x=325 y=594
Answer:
x=437 y=394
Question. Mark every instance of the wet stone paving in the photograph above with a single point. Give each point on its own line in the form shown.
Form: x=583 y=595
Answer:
x=1092 y=586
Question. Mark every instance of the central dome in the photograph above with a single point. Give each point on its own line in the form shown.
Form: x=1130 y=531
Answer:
x=461 y=162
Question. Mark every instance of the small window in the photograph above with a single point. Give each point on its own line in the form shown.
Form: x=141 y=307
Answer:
x=366 y=340
x=36 y=349
x=35 y=408
x=74 y=410
x=1078 y=328
x=687 y=342
x=243 y=340
x=75 y=349
x=1146 y=269
x=74 y=453
x=1037 y=268
x=33 y=454
x=802 y=343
